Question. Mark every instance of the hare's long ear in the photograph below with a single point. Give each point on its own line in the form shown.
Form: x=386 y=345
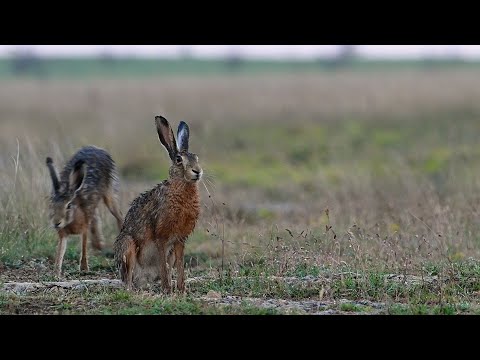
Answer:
x=183 y=135
x=78 y=176
x=165 y=133
x=53 y=175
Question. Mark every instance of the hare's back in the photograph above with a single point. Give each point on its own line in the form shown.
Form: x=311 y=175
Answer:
x=145 y=210
x=100 y=170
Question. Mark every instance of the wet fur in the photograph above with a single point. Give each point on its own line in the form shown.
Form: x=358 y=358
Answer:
x=88 y=178
x=157 y=225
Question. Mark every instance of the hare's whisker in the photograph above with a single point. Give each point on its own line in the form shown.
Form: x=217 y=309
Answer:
x=210 y=183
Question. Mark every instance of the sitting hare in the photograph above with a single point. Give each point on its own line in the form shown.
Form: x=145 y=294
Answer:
x=159 y=221
x=87 y=178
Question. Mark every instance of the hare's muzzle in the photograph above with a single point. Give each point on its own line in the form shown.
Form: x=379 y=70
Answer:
x=197 y=174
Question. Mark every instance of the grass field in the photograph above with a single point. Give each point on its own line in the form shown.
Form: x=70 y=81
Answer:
x=343 y=191
x=106 y=67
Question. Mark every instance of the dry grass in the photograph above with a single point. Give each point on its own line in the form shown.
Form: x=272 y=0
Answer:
x=365 y=170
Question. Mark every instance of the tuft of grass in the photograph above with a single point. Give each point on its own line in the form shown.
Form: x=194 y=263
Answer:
x=421 y=309
x=349 y=307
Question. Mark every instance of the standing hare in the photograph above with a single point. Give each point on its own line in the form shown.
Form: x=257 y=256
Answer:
x=87 y=178
x=159 y=221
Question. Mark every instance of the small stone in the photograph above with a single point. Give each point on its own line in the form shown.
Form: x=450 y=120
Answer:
x=214 y=295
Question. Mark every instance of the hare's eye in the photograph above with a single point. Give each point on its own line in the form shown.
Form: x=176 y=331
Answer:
x=179 y=159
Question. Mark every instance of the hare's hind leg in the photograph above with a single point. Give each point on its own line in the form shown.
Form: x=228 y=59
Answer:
x=111 y=202
x=164 y=273
x=96 y=234
x=128 y=261
x=170 y=261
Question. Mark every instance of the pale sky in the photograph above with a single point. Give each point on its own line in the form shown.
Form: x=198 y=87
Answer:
x=252 y=51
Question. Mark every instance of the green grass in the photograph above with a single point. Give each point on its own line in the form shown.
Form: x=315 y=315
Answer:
x=427 y=310
x=129 y=67
x=269 y=157
x=119 y=302
x=351 y=307
x=182 y=307
x=455 y=292
x=80 y=68
x=341 y=176
x=443 y=299
x=19 y=242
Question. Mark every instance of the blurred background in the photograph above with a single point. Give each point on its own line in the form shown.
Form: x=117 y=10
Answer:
x=338 y=152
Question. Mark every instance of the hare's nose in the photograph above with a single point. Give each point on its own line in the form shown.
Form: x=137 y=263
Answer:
x=57 y=225
x=196 y=171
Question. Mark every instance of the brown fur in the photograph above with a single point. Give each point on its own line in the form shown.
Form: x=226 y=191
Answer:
x=182 y=200
x=88 y=178
x=159 y=221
